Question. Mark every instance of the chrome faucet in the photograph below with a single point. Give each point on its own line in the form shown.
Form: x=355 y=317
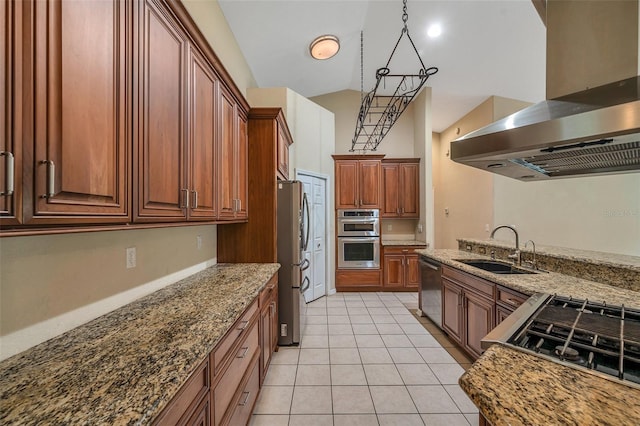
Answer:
x=516 y=254
x=534 y=263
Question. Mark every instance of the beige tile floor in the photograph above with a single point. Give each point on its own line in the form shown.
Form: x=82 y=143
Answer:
x=366 y=359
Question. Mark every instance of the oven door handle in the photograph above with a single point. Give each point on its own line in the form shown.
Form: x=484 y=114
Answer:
x=359 y=239
x=343 y=220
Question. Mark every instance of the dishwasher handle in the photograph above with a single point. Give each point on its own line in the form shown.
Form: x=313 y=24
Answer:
x=429 y=265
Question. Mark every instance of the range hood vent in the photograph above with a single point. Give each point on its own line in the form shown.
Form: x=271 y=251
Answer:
x=593 y=132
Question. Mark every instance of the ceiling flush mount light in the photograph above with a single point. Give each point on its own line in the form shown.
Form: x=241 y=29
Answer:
x=324 y=47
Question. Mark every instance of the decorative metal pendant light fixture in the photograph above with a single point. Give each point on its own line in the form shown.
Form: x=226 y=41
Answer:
x=379 y=112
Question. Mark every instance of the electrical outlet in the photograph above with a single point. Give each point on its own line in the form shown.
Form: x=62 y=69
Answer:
x=199 y=241
x=486 y=227
x=419 y=228
x=131 y=257
x=389 y=227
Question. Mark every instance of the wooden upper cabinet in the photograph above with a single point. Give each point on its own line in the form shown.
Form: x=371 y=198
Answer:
x=401 y=188
x=162 y=180
x=370 y=180
x=203 y=90
x=232 y=160
x=358 y=181
x=80 y=112
x=347 y=195
x=284 y=141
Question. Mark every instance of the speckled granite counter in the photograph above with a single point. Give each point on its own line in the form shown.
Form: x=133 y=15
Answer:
x=543 y=282
x=511 y=387
x=124 y=367
x=390 y=242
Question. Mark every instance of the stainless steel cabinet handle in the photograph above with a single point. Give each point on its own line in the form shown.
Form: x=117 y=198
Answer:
x=243 y=326
x=195 y=199
x=512 y=302
x=51 y=178
x=8 y=169
x=355 y=202
x=246 y=349
x=246 y=398
x=185 y=198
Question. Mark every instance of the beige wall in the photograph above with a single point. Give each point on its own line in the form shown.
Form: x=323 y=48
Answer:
x=42 y=277
x=423 y=149
x=600 y=213
x=466 y=193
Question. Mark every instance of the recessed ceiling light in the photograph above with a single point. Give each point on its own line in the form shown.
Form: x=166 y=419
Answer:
x=434 y=31
x=324 y=47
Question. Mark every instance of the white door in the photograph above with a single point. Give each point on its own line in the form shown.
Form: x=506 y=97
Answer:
x=315 y=188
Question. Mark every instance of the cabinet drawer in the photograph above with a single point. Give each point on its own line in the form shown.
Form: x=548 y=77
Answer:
x=190 y=393
x=483 y=287
x=231 y=378
x=268 y=291
x=402 y=249
x=236 y=332
x=247 y=399
x=509 y=298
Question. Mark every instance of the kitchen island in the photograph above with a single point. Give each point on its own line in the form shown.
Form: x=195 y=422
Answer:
x=126 y=366
x=511 y=387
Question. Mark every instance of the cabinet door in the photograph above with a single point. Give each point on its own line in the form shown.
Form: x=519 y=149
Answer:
x=201 y=416
x=10 y=91
x=347 y=195
x=390 y=191
x=162 y=184
x=226 y=148
x=409 y=190
x=81 y=111
x=452 y=309
x=265 y=340
x=370 y=182
x=202 y=126
x=478 y=322
x=502 y=313
x=393 y=270
x=241 y=167
x=412 y=271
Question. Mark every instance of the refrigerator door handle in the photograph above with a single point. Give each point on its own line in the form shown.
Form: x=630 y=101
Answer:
x=305 y=207
x=304 y=265
x=304 y=287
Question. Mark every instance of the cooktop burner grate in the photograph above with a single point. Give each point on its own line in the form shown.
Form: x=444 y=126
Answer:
x=585 y=334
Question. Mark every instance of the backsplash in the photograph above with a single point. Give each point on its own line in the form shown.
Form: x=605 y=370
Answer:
x=621 y=271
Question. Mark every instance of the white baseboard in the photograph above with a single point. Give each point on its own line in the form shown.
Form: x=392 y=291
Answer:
x=332 y=291
x=32 y=335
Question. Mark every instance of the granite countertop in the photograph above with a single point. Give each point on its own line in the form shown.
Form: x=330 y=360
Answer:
x=124 y=367
x=391 y=242
x=542 y=282
x=511 y=387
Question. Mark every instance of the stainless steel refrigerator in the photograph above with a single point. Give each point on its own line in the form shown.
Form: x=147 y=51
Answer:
x=293 y=238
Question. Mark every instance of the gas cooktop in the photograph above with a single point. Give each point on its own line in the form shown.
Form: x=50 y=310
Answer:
x=592 y=336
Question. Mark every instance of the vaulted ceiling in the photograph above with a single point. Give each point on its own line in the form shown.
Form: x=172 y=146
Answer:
x=487 y=47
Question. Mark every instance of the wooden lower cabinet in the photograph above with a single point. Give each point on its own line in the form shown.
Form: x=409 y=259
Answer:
x=225 y=387
x=467 y=309
x=358 y=279
x=507 y=301
x=401 y=270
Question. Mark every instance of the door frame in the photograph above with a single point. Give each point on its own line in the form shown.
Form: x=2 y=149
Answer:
x=328 y=252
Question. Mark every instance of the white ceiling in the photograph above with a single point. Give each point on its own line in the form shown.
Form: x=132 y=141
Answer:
x=486 y=48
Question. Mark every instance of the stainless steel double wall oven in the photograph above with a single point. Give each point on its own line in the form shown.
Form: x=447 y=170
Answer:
x=359 y=239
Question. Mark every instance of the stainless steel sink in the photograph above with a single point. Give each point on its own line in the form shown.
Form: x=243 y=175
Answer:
x=494 y=266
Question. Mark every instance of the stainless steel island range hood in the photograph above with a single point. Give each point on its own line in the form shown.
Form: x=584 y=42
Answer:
x=596 y=131
x=590 y=123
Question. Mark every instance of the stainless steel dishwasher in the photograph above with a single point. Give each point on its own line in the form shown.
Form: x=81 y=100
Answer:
x=431 y=290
